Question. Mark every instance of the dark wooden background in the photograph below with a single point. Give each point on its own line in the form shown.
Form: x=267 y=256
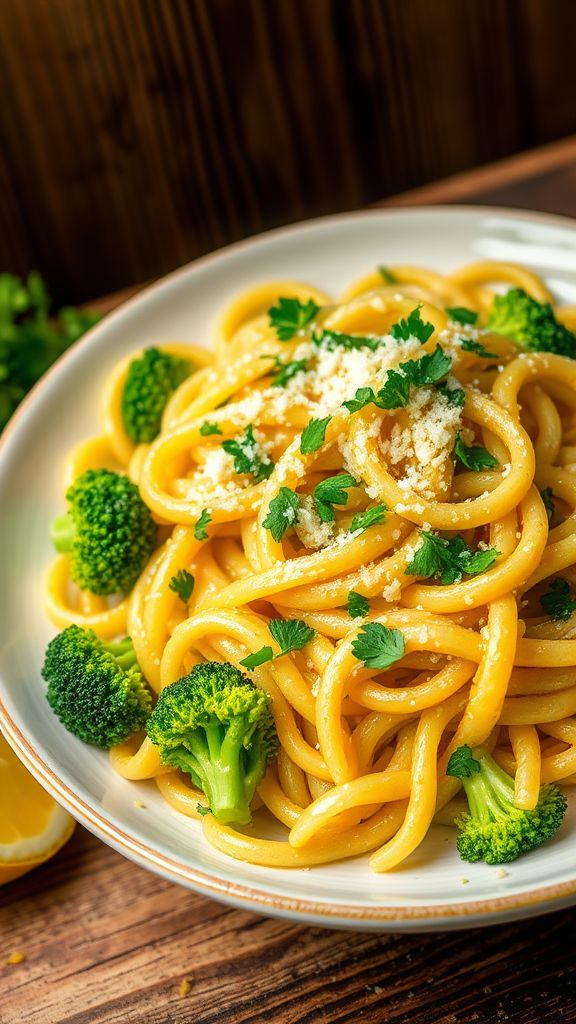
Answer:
x=138 y=134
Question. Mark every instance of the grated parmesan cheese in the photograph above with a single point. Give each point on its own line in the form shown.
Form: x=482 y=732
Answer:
x=309 y=528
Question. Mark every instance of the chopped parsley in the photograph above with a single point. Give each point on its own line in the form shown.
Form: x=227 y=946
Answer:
x=182 y=584
x=558 y=602
x=358 y=606
x=209 y=428
x=258 y=658
x=462 y=764
x=335 y=339
x=282 y=513
x=468 y=345
x=462 y=315
x=387 y=275
x=287 y=371
x=448 y=560
x=413 y=326
x=313 y=435
x=371 y=517
x=429 y=369
x=395 y=392
x=201 y=524
x=332 y=491
x=473 y=456
x=289 y=634
x=291 y=316
x=456 y=396
x=377 y=646
x=247 y=457
x=363 y=397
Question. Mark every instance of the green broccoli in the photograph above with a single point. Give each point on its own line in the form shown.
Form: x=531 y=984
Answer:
x=216 y=726
x=495 y=830
x=31 y=337
x=531 y=324
x=151 y=379
x=109 y=531
x=96 y=689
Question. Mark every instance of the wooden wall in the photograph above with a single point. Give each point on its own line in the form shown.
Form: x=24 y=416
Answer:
x=137 y=134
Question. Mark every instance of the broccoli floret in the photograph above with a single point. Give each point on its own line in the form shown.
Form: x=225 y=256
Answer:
x=96 y=689
x=531 y=324
x=150 y=381
x=495 y=830
x=216 y=726
x=108 y=530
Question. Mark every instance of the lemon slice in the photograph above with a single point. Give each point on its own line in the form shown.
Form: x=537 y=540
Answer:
x=32 y=825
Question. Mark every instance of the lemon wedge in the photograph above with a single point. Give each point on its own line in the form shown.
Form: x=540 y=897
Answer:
x=32 y=825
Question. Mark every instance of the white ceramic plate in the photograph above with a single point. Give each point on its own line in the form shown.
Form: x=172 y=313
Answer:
x=434 y=889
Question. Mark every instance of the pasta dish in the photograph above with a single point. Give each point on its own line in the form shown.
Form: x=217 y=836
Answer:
x=342 y=544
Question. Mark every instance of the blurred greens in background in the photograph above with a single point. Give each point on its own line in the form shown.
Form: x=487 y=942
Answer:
x=31 y=338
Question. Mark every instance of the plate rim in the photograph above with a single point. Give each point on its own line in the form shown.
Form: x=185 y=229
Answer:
x=432 y=916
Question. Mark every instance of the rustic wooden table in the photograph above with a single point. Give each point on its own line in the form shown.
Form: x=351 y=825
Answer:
x=107 y=942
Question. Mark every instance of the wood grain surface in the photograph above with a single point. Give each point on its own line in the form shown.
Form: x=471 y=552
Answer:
x=138 y=134
x=108 y=943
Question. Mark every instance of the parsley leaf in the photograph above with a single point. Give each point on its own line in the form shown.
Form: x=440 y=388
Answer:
x=287 y=371
x=395 y=392
x=332 y=340
x=456 y=396
x=474 y=456
x=313 y=435
x=558 y=602
x=377 y=646
x=358 y=606
x=371 y=517
x=291 y=316
x=387 y=275
x=547 y=496
x=258 y=658
x=182 y=584
x=246 y=455
x=462 y=764
x=209 y=428
x=448 y=560
x=468 y=345
x=202 y=810
x=363 y=397
x=479 y=561
x=462 y=315
x=282 y=513
x=412 y=327
x=429 y=369
x=332 y=491
x=289 y=634
x=201 y=524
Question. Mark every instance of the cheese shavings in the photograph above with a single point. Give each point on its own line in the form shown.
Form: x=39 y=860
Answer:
x=419 y=446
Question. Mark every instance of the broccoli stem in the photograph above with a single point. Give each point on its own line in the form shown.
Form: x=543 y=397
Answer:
x=490 y=791
x=63 y=533
x=123 y=651
x=230 y=795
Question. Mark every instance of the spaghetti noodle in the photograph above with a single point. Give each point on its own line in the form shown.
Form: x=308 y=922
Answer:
x=363 y=747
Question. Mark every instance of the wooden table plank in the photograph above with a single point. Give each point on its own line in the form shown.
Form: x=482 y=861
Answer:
x=108 y=943
x=543 y=179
